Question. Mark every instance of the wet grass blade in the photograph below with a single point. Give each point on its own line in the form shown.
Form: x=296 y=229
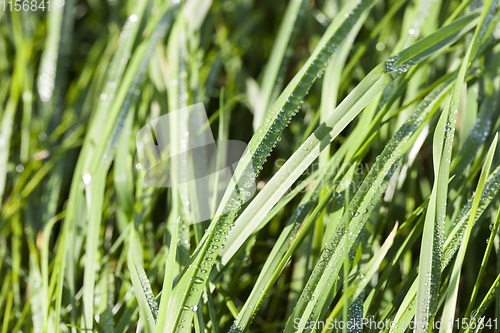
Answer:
x=168 y=280
x=95 y=200
x=142 y=287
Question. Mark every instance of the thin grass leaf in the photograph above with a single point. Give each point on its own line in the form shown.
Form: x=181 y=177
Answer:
x=477 y=284
x=142 y=288
x=278 y=58
x=168 y=280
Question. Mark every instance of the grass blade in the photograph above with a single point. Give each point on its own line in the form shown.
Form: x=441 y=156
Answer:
x=278 y=58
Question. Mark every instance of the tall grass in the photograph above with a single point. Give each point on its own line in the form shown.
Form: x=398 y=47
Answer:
x=372 y=141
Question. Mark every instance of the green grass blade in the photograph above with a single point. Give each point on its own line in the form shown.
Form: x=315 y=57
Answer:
x=95 y=198
x=477 y=284
x=478 y=313
x=142 y=288
x=168 y=280
x=277 y=60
